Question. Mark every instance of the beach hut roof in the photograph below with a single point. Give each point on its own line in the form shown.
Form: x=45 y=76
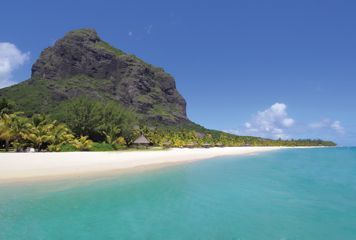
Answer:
x=141 y=140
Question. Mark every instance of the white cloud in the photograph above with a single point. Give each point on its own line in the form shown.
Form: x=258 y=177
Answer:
x=130 y=33
x=274 y=122
x=271 y=122
x=10 y=59
x=326 y=123
x=336 y=125
x=288 y=122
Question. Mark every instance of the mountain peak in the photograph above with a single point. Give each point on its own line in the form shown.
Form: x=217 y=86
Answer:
x=81 y=63
x=83 y=34
x=83 y=31
x=78 y=52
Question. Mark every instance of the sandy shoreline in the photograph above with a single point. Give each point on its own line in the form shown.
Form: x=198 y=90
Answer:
x=22 y=166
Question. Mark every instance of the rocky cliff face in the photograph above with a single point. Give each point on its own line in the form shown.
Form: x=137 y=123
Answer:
x=83 y=64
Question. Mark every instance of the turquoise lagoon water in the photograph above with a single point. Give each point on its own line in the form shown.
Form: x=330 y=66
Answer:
x=287 y=194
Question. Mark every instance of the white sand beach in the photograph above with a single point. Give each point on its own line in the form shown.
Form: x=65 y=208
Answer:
x=22 y=166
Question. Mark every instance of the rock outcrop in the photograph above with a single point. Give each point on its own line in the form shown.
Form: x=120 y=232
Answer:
x=83 y=64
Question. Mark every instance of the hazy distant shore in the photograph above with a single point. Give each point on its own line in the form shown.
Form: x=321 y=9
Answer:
x=22 y=166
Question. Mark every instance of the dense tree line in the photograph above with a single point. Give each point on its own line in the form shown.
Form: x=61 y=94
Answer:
x=208 y=138
x=38 y=132
x=100 y=121
x=85 y=124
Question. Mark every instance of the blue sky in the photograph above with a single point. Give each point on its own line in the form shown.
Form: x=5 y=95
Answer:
x=268 y=68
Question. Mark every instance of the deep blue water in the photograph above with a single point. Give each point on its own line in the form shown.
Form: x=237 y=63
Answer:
x=287 y=194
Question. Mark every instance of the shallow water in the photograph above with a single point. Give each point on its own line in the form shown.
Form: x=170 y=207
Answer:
x=287 y=194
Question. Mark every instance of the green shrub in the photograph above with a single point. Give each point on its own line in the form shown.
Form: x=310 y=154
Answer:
x=68 y=148
x=102 y=147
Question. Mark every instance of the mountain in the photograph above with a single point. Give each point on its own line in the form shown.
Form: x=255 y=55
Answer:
x=82 y=64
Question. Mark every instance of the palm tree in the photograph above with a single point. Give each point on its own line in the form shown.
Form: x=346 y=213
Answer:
x=19 y=127
x=37 y=136
x=82 y=143
x=111 y=134
x=42 y=133
x=58 y=135
x=6 y=133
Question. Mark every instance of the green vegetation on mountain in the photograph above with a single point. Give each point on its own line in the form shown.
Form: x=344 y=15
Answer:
x=85 y=94
x=81 y=64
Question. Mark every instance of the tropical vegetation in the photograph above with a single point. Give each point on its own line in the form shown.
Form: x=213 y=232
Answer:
x=83 y=124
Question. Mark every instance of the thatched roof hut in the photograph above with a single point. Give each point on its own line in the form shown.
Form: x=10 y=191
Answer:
x=142 y=140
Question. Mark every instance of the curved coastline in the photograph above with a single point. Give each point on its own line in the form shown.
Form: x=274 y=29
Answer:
x=23 y=166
